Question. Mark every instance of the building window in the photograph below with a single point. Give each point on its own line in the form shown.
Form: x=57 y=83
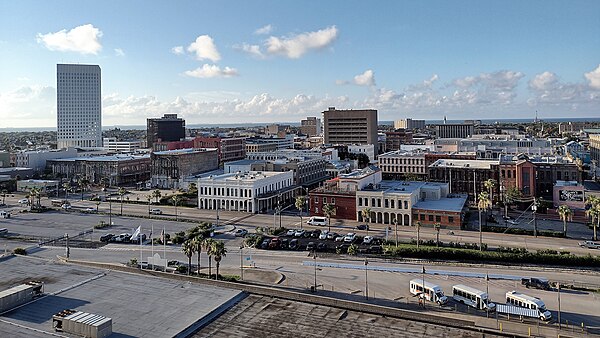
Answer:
x=360 y=201
x=450 y=219
x=316 y=199
x=392 y=204
x=438 y=218
x=332 y=200
x=379 y=202
x=324 y=200
x=430 y=218
x=405 y=204
x=422 y=217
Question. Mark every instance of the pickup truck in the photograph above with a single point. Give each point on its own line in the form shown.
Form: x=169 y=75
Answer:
x=590 y=245
x=536 y=282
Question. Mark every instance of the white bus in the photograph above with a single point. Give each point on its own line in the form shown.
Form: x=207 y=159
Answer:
x=472 y=297
x=433 y=293
x=521 y=300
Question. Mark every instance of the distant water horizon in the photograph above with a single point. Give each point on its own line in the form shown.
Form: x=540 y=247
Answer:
x=295 y=124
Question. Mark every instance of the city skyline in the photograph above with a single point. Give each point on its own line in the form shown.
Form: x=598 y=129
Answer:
x=232 y=62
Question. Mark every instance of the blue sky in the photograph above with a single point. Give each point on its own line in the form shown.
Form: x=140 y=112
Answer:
x=267 y=61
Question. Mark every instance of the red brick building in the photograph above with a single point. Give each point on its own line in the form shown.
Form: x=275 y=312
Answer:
x=230 y=148
x=344 y=202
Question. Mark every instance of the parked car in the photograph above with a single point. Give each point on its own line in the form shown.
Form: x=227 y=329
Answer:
x=285 y=244
x=137 y=239
x=290 y=232
x=106 y=238
x=332 y=235
x=342 y=248
x=512 y=221
x=590 y=245
x=349 y=238
x=323 y=234
x=265 y=244
x=299 y=233
x=122 y=238
x=367 y=239
x=241 y=233
x=155 y=212
x=362 y=227
x=90 y=210
x=274 y=243
x=315 y=233
x=375 y=249
x=23 y=201
x=2 y=205
x=310 y=246
x=340 y=238
x=3 y=231
x=66 y=206
x=4 y=214
x=536 y=282
x=294 y=245
x=322 y=247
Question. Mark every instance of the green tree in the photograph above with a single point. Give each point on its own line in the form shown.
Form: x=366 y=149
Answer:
x=35 y=195
x=593 y=212
x=366 y=215
x=483 y=204
x=157 y=195
x=193 y=189
x=353 y=250
x=300 y=203
x=176 y=199
x=4 y=193
x=83 y=184
x=510 y=197
x=198 y=244
x=149 y=199
x=209 y=244
x=489 y=185
x=188 y=249
x=565 y=214
x=66 y=186
x=328 y=211
x=97 y=205
x=121 y=192
x=437 y=226
x=219 y=251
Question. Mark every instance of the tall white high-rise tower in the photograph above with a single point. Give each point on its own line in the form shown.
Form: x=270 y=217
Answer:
x=79 y=106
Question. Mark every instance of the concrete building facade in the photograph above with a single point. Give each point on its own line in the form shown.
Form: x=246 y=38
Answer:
x=454 y=130
x=111 y=145
x=350 y=126
x=36 y=159
x=252 y=191
x=230 y=148
x=78 y=106
x=311 y=126
x=165 y=129
x=409 y=124
x=170 y=168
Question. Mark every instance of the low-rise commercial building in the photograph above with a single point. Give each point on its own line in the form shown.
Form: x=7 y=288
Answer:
x=112 y=145
x=395 y=139
x=230 y=148
x=251 y=191
x=409 y=124
x=399 y=164
x=170 y=168
x=466 y=176
x=311 y=126
x=45 y=186
x=115 y=169
x=36 y=159
x=454 y=130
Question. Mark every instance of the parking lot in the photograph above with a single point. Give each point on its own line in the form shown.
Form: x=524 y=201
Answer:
x=321 y=241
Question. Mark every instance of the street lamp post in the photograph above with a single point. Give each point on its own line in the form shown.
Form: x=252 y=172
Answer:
x=315 y=261
x=534 y=209
x=558 y=287
x=396 y=230
x=218 y=207
x=68 y=250
x=241 y=262
x=366 y=279
x=423 y=285
x=487 y=291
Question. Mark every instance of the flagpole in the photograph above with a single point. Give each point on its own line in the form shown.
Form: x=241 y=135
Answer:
x=140 y=237
x=152 y=245
x=165 y=247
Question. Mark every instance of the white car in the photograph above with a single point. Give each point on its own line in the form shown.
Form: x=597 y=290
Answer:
x=513 y=222
x=368 y=239
x=23 y=201
x=66 y=206
x=90 y=210
x=291 y=232
x=155 y=212
x=340 y=238
x=299 y=233
x=323 y=234
x=350 y=237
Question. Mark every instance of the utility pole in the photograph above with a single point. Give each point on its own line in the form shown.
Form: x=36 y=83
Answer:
x=241 y=262
x=315 y=261
x=366 y=279
x=68 y=250
x=558 y=287
x=534 y=209
x=396 y=225
x=487 y=291
x=423 y=285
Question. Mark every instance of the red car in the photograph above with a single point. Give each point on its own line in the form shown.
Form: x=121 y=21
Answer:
x=275 y=243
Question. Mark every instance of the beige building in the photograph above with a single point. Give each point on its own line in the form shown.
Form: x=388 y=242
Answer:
x=409 y=124
x=350 y=126
x=399 y=163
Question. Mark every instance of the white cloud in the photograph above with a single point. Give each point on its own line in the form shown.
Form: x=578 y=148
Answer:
x=295 y=46
x=594 y=78
x=365 y=79
x=119 y=52
x=264 y=30
x=210 y=71
x=543 y=81
x=83 y=39
x=205 y=49
x=177 y=50
x=253 y=50
x=28 y=106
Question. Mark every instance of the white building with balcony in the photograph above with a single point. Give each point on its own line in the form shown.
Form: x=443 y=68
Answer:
x=250 y=191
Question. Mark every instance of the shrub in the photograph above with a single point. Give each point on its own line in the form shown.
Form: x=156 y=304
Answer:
x=353 y=250
x=101 y=225
x=178 y=238
x=133 y=262
x=253 y=240
x=20 y=251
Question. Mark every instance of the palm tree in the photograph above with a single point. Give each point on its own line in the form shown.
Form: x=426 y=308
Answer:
x=219 y=251
x=156 y=194
x=4 y=193
x=198 y=243
x=565 y=214
x=188 y=249
x=300 y=203
x=97 y=205
x=489 y=185
x=193 y=189
x=483 y=203
x=594 y=213
x=149 y=198
x=437 y=227
x=418 y=225
x=121 y=192
x=34 y=193
x=66 y=186
x=366 y=215
x=328 y=211
x=208 y=245
x=176 y=199
x=83 y=183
